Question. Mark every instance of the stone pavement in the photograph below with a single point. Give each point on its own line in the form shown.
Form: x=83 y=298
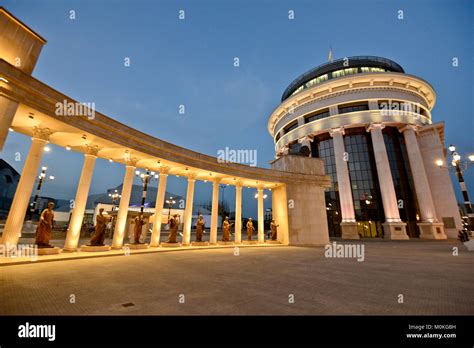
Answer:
x=261 y=280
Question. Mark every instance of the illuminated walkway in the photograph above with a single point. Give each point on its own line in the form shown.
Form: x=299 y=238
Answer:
x=258 y=281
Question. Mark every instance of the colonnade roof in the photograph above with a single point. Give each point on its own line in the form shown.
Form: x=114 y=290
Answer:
x=123 y=144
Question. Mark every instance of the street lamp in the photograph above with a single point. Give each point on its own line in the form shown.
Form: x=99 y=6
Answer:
x=170 y=201
x=145 y=177
x=115 y=197
x=41 y=178
x=460 y=165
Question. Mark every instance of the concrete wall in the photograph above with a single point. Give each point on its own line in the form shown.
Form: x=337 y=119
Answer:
x=442 y=190
x=307 y=221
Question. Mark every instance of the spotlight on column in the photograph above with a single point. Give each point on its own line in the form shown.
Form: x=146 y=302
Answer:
x=11 y=129
x=68 y=148
x=111 y=160
x=47 y=149
x=439 y=163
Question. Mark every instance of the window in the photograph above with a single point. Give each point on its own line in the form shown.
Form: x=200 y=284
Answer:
x=344 y=72
x=317 y=116
x=277 y=137
x=290 y=127
x=345 y=108
x=366 y=69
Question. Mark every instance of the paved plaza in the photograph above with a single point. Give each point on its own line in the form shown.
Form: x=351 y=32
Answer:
x=259 y=280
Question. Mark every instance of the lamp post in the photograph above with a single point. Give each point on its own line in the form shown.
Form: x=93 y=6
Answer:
x=459 y=166
x=41 y=179
x=170 y=203
x=145 y=177
x=115 y=197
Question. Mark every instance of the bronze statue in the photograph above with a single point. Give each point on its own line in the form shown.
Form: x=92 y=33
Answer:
x=139 y=222
x=250 y=229
x=173 y=223
x=226 y=230
x=100 y=226
x=45 y=226
x=200 y=225
x=273 y=227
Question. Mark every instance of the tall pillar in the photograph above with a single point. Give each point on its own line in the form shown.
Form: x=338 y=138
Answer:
x=160 y=200
x=16 y=215
x=122 y=214
x=261 y=220
x=393 y=227
x=188 y=213
x=238 y=213
x=74 y=230
x=348 y=224
x=7 y=112
x=215 y=210
x=429 y=226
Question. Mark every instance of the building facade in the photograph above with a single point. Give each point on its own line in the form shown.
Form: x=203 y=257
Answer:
x=371 y=124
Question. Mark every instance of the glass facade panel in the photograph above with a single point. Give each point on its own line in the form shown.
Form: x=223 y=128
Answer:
x=342 y=109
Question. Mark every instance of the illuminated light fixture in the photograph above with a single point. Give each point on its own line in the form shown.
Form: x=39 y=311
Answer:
x=3 y=79
x=137 y=172
x=11 y=129
x=456 y=157
x=44 y=168
x=439 y=163
x=471 y=158
x=177 y=175
x=84 y=136
x=156 y=176
x=111 y=160
x=51 y=177
x=47 y=148
x=205 y=180
x=265 y=196
x=68 y=148
x=452 y=148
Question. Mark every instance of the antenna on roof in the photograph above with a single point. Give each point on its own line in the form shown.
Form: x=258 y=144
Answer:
x=330 y=58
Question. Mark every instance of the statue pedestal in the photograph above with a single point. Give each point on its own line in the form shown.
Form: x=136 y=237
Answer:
x=272 y=242
x=250 y=242
x=94 y=248
x=199 y=243
x=170 y=245
x=225 y=243
x=137 y=246
x=49 y=251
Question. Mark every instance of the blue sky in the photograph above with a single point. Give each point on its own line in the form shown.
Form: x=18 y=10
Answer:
x=190 y=62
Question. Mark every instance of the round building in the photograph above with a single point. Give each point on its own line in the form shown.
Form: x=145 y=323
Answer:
x=371 y=124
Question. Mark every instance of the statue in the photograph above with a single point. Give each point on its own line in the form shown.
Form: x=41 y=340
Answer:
x=226 y=230
x=200 y=225
x=273 y=228
x=250 y=229
x=139 y=222
x=45 y=226
x=100 y=226
x=174 y=223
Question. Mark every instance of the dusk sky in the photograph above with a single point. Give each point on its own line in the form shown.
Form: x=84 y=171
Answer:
x=191 y=62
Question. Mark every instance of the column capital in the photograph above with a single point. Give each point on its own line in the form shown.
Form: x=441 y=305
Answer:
x=131 y=162
x=412 y=127
x=41 y=133
x=306 y=138
x=191 y=176
x=373 y=126
x=164 y=170
x=260 y=187
x=238 y=183
x=92 y=150
x=337 y=130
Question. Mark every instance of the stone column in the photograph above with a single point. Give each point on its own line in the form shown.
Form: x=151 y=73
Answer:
x=215 y=210
x=393 y=227
x=16 y=215
x=348 y=223
x=430 y=227
x=122 y=214
x=188 y=213
x=261 y=220
x=7 y=111
x=238 y=213
x=75 y=224
x=160 y=200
